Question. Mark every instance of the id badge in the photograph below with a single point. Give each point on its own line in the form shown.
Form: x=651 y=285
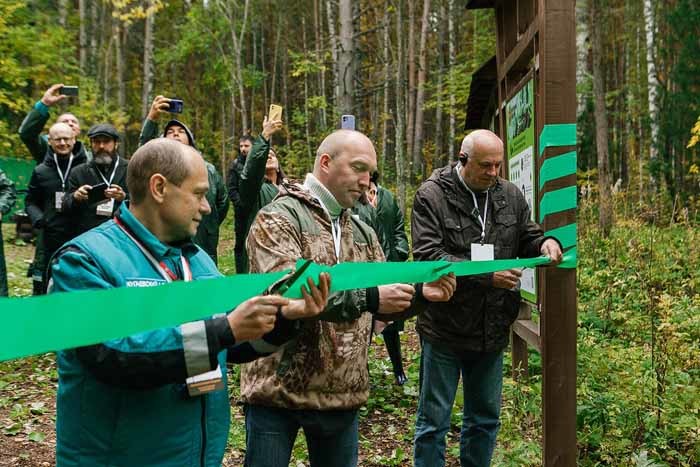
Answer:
x=482 y=252
x=58 y=200
x=106 y=208
x=210 y=381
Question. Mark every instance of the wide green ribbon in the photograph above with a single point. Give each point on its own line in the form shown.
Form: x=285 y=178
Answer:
x=36 y=325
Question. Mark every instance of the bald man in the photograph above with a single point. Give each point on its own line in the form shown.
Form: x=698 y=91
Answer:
x=465 y=211
x=319 y=381
x=33 y=124
x=45 y=192
x=130 y=401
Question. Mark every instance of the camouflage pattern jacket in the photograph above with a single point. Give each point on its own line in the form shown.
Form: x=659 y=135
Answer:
x=326 y=369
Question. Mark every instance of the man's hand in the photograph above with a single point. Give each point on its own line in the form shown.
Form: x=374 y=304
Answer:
x=115 y=192
x=81 y=194
x=51 y=96
x=440 y=290
x=313 y=303
x=550 y=248
x=255 y=317
x=507 y=279
x=395 y=298
x=160 y=105
x=270 y=127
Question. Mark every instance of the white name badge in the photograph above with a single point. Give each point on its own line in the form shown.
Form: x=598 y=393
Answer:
x=106 y=208
x=482 y=252
x=206 y=382
x=58 y=200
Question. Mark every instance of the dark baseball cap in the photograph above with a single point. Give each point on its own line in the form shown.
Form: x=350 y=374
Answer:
x=103 y=129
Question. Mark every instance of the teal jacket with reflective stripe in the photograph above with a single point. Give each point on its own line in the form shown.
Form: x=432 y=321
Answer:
x=124 y=402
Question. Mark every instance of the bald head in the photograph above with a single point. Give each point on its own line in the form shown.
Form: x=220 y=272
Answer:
x=483 y=151
x=169 y=158
x=344 y=161
x=61 y=139
x=479 y=141
x=72 y=121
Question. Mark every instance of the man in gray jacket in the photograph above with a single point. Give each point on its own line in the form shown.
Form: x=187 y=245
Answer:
x=465 y=211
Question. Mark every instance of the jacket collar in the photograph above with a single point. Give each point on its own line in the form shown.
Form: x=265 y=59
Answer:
x=455 y=192
x=79 y=155
x=158 y=249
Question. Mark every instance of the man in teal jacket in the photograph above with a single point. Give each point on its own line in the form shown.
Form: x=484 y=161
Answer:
x=208 y=231
x=8 y=196
x=125 y=402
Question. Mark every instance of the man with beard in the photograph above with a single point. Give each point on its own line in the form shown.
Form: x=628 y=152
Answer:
x=45 y=193
x=33 y=124
x=208 y=230
x=106 y=172
x=245 y=144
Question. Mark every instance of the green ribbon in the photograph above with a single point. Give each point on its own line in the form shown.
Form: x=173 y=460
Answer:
x=46 y=323
x=563 y=134
x=557 y=201
x=557 y=167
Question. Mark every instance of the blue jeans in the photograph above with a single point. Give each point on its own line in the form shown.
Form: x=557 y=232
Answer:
x=482 y=375
x=331 y=436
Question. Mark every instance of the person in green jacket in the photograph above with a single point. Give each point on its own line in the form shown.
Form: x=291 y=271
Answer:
x=8 y=196
x=30 y=131
x=260 y=179
x=392 y=236
x=208 y=231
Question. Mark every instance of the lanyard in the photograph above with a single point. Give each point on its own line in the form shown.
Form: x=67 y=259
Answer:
x=482 y=220
x=159 y=266
x=111 y=177
x=60 y=173
x=335 y=230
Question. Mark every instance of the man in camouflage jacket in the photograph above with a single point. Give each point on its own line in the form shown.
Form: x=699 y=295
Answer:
x=319 y=381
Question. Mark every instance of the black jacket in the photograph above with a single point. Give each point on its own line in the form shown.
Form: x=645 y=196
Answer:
x=85 y=214
x=40 y=201
x=443 y=227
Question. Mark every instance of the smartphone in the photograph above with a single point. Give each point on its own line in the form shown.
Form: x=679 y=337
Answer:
x=347 y=122
x=68 y=90
x=97 y=193
x=275 y=112
x=176 y=106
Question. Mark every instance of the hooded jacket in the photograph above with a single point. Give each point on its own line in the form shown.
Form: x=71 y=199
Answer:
x=207 y=235
x=444 y=225
x=40 y=203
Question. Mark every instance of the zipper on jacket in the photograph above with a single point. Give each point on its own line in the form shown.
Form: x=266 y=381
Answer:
x=204 y=431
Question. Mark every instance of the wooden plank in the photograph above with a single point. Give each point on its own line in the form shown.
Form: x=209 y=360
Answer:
x=557 y=99
x=529 y=331
x=519 y=51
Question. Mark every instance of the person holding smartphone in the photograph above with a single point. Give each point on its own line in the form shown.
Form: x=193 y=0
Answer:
x=97 y=189
x=208 y=231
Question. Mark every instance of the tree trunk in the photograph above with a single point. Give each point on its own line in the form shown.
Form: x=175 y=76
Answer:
x=321 y=78
x=420 y=92
x=147 y=90
x=438 y=156
x=330 y=18
x=306 y=94
x=605 y=215
x=652 y=83
x=278 y=35
x=63 y=13
x=451 y=63
x=93 y=37
x=387 y=80
x=82 y=38
x=411 y=79
x=120 y=42
x=400 y=110
x=346 y=59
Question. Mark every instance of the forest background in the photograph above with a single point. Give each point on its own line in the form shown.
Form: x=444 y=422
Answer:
x=403 y=68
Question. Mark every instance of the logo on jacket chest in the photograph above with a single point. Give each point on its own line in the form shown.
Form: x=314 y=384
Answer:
x=143 y=282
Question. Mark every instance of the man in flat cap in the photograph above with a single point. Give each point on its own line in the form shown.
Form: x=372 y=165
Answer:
x=97 y=189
